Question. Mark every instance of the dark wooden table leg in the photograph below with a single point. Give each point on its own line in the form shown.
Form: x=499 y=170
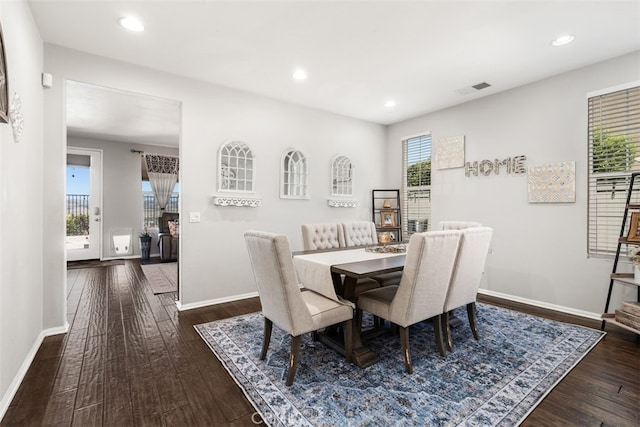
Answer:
x=362 y=356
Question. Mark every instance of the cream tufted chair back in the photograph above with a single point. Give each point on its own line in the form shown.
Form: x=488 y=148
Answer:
x=458 y=225
x=322 y=236
x=359 y=233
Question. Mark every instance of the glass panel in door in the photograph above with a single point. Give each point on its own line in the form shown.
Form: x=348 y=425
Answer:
x=82 y=217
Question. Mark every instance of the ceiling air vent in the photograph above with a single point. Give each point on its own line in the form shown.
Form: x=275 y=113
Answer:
x=472 y=89
x=481 y=86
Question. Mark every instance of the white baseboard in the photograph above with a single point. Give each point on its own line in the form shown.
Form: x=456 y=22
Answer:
x=542 y=304
x=191 y=306
x=26 y=363
x=113 y=258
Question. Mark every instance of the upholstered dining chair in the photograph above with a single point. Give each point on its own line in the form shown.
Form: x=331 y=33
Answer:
x=467 y=274
x=458 y=225
x=322 y=236
x=359 y=233
x=284 y=304
x=331 y=235
x=422 y=290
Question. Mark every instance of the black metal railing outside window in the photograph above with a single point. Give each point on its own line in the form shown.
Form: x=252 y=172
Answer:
x=77 y=214
x=152 y=210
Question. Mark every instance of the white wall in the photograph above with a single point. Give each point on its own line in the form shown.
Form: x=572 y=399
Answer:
x=539 y=250
x=214 y=263
x=21 y=209
x=121 y=188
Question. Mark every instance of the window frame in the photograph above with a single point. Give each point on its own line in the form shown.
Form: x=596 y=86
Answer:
x=607 y=190
x=424 y=191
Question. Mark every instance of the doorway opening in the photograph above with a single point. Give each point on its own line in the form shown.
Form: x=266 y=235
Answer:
x=83 y=204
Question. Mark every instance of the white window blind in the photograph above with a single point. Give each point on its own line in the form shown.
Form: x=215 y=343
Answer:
x=614 y=143
x=416 y=184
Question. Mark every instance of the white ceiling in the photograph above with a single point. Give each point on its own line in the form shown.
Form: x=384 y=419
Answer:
x=117 y=115
x=358 y=54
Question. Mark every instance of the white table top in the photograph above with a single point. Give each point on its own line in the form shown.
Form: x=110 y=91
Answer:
x=314 y=270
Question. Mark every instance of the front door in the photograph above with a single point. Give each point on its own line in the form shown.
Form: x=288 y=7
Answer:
x=83 y=204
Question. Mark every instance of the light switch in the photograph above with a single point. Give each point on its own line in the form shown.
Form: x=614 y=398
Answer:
x=194 y=216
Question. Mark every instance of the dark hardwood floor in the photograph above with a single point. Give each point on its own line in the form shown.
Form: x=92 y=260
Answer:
x=130 y=358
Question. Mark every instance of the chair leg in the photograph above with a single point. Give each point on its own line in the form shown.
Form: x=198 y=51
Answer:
x=471 y=312
x=268 y=325
x=348 y=340
x=446 y=329
x=437 y=328
x=293 y=358
x=406 y=352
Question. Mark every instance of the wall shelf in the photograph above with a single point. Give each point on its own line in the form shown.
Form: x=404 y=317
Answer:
x=245 y=202
x=623 y=278
x=386 y=215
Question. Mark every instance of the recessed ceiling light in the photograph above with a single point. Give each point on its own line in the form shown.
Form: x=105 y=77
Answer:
x=299 y=74
x=562 y=40
x=390 y=103
x=132 y=24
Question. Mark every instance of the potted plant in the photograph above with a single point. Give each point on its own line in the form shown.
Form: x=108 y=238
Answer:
x=145 y=244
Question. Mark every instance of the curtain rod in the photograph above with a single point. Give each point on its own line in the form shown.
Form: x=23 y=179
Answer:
x=137 y=151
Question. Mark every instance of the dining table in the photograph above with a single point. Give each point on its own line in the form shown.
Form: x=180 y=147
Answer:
x=334 y=273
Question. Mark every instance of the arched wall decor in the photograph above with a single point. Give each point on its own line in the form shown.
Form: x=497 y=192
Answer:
x=342 y=182
x=235 y=167
x=236 y=176
x=294 y=175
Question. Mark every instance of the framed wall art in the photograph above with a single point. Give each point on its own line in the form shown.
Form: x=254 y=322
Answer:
x=450 y=153
x=4 y=83
x=552 y=183
x=634 y=228
x=387 y=219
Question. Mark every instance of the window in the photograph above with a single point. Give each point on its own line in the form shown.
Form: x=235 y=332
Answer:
x=294 y=181
x=341 y=176
x=416 y=183
x=614 y=144
x=150 y=208
x=235 y=168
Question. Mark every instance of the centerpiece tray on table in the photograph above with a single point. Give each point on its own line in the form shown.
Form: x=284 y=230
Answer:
x=400 y=248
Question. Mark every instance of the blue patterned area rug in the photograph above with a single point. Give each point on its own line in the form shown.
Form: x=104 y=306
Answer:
x=495 y=381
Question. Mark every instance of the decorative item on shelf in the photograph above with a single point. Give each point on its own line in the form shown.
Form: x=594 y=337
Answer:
x=629 y=314
x=145 y=244
x=386 y=204
x=387 y=219
x=636 y=266
x=634 y=228
x=384 y=238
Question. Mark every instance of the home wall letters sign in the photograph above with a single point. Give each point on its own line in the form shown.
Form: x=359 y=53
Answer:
x=485 y=167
